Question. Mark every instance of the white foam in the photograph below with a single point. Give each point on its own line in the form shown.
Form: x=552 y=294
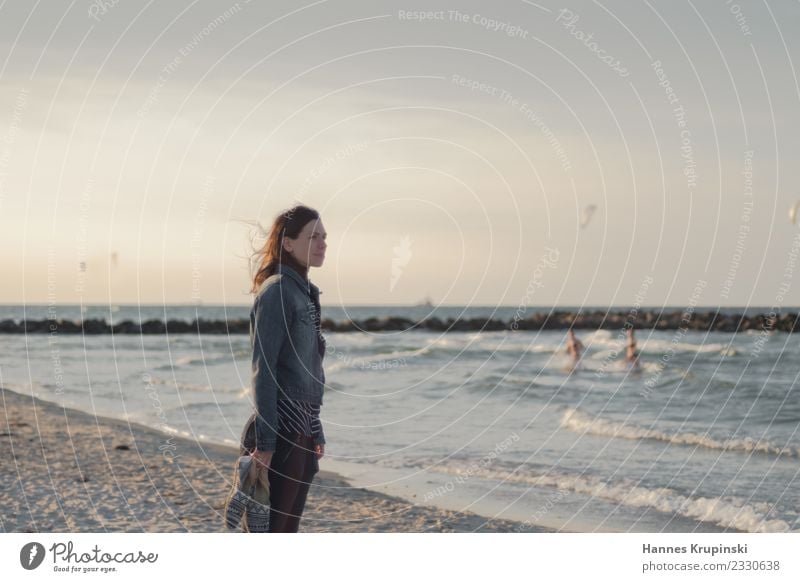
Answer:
x=367 y=361
x=730 y=512
x=580 y=422
x=490 y=342
x=616 y=343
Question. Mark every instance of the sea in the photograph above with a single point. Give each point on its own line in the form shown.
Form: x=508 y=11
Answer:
x=703 y=437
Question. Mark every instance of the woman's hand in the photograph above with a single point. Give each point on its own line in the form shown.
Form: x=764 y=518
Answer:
x=320 y=450
x=262 y=457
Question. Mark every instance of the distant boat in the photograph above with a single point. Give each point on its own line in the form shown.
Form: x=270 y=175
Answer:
x=426 y=303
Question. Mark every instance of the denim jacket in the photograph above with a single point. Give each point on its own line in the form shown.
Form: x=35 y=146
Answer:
x=288 y=349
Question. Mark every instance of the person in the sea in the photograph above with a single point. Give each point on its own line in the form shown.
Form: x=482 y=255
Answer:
x=574 y=348
x=631 y=354
x=285 y=432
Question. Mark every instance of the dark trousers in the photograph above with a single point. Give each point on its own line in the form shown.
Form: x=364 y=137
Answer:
x=291 y=472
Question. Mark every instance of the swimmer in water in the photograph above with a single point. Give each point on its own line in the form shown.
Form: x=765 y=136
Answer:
x=632 y=354
x=574 y=348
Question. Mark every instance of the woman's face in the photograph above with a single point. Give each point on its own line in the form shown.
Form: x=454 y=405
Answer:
x=308 y=248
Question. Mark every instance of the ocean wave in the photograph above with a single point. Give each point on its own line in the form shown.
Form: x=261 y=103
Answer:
x=492 y=342
x=494 y=380
x=477 y=345
x=580 y=422
x=729 y=511
x=205 y=359
x=190 y=387
x=614 y=343
x=203 y=406
x=334 y=362
x=664 y=346
x=191 y=360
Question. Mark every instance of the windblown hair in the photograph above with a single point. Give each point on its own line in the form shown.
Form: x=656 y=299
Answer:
x=288 y=223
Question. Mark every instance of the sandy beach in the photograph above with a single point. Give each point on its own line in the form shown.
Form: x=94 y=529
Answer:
x=67 y=471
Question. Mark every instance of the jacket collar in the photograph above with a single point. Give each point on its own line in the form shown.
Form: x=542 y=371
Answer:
x=312 y=289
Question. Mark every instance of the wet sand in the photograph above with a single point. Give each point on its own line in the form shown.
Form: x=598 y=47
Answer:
x=64 y=470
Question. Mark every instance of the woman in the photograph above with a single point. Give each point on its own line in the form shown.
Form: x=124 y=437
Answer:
x=574 y=346
x=631 y=353
x=285 y=434
x=575 y=351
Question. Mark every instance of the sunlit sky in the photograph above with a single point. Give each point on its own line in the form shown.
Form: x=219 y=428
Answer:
x=452 y=156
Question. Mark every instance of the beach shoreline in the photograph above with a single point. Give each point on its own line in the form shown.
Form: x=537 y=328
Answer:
x=66 y=470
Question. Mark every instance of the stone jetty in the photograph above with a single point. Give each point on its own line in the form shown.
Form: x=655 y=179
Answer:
x=555 y=320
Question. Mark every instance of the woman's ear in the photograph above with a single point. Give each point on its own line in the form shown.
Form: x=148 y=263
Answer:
x=287 y=244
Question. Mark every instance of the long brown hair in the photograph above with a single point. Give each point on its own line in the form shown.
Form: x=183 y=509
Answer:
x=288 y=223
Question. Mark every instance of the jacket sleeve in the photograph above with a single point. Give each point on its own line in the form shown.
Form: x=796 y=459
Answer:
x=271 y=321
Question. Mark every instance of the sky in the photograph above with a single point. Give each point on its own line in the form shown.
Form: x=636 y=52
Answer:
x=454 y=150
